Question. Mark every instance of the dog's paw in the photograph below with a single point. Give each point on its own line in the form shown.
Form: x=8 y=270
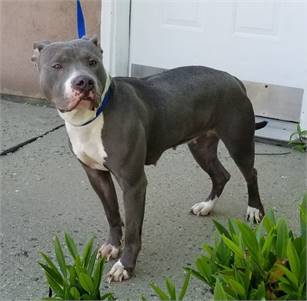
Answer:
x=203 y=208
x=118 y=273
x=108 y=251
x=253 y=215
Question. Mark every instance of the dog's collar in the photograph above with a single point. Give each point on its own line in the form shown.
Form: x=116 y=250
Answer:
x=83 y=117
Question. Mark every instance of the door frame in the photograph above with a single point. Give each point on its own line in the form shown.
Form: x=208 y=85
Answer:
x=115 y=40
x=115 y=36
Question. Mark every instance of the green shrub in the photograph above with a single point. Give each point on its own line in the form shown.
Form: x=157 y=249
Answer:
x=78 y=280
x=267 y=261
x=170 y=293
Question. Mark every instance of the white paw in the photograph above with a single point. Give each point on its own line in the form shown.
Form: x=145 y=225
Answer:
x=203 y=208
x=118 y=273
x=108 y=251
x=253 y=214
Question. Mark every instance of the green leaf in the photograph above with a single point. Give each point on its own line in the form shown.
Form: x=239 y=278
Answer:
x=238 y=288
x=222 y=254
x=268 y=244
x=72 y=275
x=79 y=266
x=219 y=293
x=233 y=228
x=303 y=264
x=87 y=252
x=170 y=288
x=302 y=293
x=208 y=249
x=53 y=267
x=204 y=267
x=301 y=147
x=249 y=239
x=54 y=286
x=86 y=282
x=260 y=231
x=282 y=238
x=233 y=247
x=185 y=286
x=198 y=275
x=52 y=273
x=159 y=292
x=98 y=273
x=293 y=259
x=110 y=296
x=269 y=220
x=60 y=256
x=221 y=229
x=91 y=262
x=259 y=293
x=293 y=135
x=290 y=275
x=74 y=293
x=287 y=289
x=303 y=216
x=71 y=246
x=143 y=298
x=243 y=277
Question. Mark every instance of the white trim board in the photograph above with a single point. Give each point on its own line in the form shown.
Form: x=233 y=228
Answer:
x=115 y=36
x=303 y=117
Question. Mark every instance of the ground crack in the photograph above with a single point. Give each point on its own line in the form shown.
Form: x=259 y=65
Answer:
x=14 y=148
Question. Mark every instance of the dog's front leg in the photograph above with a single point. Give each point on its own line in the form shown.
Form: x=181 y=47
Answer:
x=134 y=204
x=103 y=185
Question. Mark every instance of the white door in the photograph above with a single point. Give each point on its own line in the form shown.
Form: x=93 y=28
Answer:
x=257 y=41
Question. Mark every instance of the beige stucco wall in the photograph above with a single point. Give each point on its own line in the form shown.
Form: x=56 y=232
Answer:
x=24 y=21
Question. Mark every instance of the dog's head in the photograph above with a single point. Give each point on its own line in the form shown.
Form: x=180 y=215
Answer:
x=71 y=73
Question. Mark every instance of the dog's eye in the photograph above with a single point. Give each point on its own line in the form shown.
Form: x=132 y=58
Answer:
x=92 y=62
x=57 y=66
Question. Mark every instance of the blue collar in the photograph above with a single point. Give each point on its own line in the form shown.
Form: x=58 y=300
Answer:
x=104 y=102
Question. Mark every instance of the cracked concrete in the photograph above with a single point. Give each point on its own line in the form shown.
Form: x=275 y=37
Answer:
x=45 y=192
x=21 y=121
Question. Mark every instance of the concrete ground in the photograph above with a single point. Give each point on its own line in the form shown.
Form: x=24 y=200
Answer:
x=44 y=192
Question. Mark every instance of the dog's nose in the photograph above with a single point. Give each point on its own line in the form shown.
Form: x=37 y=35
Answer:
x=83 y=83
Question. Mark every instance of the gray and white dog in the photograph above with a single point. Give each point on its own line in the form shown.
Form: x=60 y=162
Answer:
x=119 y=125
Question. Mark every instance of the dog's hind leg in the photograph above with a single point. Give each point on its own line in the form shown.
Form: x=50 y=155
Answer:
x=240 y=144
x=204 y=150
x=103 y=185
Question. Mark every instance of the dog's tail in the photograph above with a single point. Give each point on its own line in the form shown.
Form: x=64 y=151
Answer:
x=260 y=125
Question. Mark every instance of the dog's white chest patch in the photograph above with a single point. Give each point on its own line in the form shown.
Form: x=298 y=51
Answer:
x=87 y=144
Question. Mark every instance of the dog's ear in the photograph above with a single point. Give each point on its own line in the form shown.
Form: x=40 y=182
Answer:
x=94 y=40
x=37 y=48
